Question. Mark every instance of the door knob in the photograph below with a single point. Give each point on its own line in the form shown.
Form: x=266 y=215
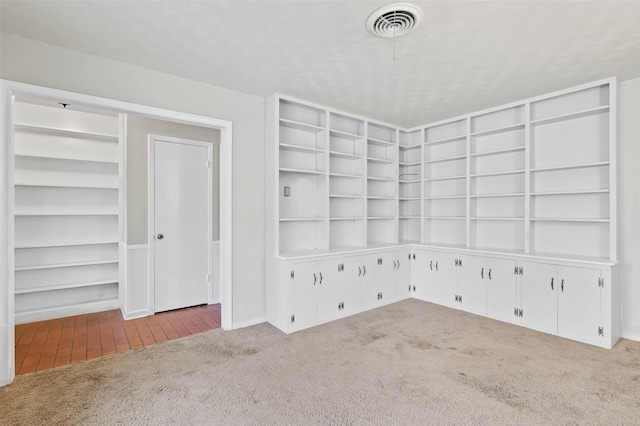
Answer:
x=160 y=236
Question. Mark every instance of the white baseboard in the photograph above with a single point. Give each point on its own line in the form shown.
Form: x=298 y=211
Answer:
x=248 y=323
x=140 y=313
x=66 y=311
x=630 y=335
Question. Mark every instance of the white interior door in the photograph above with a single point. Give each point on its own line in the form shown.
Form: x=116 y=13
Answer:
x=181 y=224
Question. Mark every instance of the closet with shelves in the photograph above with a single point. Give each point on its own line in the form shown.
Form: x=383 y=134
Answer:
x=494 y=211
x=66 y=210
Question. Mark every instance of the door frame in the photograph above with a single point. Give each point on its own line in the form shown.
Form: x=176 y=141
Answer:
x=151 y=210
x=8 y=91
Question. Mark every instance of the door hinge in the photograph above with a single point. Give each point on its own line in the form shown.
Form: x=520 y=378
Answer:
x=521 y=270
x=340 y=306
x=520 y=313
x=340 y=267
x=293 y=319
x=379 y=296
x=292 y=274
x=601 y=331
x=379 y=261
x=601 y=282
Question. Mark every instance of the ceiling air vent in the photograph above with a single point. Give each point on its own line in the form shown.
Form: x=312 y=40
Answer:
x=394 y=20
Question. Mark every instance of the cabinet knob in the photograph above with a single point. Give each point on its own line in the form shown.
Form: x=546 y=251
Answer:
x=160 y=236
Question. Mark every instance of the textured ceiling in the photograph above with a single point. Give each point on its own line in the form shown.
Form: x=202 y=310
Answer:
x=465 y=56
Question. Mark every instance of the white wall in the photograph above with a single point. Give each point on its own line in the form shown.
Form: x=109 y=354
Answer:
x=34 y=62
x=629 y=204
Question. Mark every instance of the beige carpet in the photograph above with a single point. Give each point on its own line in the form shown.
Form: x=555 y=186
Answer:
x=407 y=363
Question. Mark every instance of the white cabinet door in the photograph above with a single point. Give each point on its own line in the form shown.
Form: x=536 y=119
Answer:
x=403 y=274
x=423 y=275
x=502 y=290
x=327 y=289
x=579 y=302
x=472 y=291
x=303 y=304
x=386 y=272
x=539 y=296
x=370 y=281
x=350 y=285
x=445 y=271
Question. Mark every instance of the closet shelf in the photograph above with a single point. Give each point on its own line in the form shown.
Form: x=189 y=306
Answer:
x=380 y=160
x=345 y=196
x=498 y=130
x=380 y=179
x=346 y=218
x=381 y=217
x=373 y=197
x=446 y=217
x=301 y=171
x=445 y=197
x=40 y=212
x=300 y=148
x=566 y=219
x=571 y=166
x=342 y=134
x=345 y=175
x=445 y=178
x=301 y=126
x=506 y=219
x=497 y=151
x=64 y=244
x=60 y=158
x=380 y=142
x=446 y=140
x=409 y=198
x=588 y=191
x=441 y=160
x=508 y=194
x=409 y=147
x=301 y=219
x=345 y=155
x=32 y=128
x=572 y=115
x=65 y=265
x=63 y=185
x=505 y=173
x=411 y=164
x=409 y=181
x=65 y=286
x=410 y=217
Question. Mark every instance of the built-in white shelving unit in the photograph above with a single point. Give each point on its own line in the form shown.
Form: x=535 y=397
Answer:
x=508 y=212
x=66 y=211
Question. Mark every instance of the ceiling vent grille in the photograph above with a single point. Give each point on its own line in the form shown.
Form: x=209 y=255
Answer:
x=394 y=20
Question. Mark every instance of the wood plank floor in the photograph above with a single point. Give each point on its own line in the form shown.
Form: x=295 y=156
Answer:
x=48 y=344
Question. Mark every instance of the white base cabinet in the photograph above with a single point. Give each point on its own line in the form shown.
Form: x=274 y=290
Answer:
x=568 y=298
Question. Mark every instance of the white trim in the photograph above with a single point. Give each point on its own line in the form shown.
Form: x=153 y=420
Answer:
x=139 y=313
x=151 y=208
x=630 y=335
x=9 y=89
x=249 y=323
x=66 y=311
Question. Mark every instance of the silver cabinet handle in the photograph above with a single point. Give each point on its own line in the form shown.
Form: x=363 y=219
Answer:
x=359 y=271
x=436 y=266
x=364 y=269
x=482 y=273
x=562 y=284
x=489 y=273
x=431 y=265
x=551 y=283
x=160 y=236
x=320 y=277
x=314 y=279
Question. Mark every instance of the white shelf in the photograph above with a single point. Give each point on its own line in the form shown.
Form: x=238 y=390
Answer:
x=571 y=166
x=441 y=160
x=446 y=217
x=380 y=160
x=505 y=219
x=301 y=126
x=60 y=158
x=381 y=217
x=345 y=175
x=63 y=185
x=589 y=191
x=409 y=147
x=300 y=171
x=68 y=244
x=340 y=133
x=498 y=151
x=65 y=265
x=572 y=115
x=446 y=140
x=380 y=142
x=446 y=197
x=508 y=172
x=346 y=218
x=299 y=148
x=380 y=198
x=414 y=163
x=498 y=130
x=36 y=211
x=509 y=194
x=409 y=181
x=65 y=286
x=561 y=219
x=410 y=198
x=410 y=217
x=344 y=155
x=301 y=219
x=65 y=132
x=345 y=196
x=380 y=179
x=445 y=178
